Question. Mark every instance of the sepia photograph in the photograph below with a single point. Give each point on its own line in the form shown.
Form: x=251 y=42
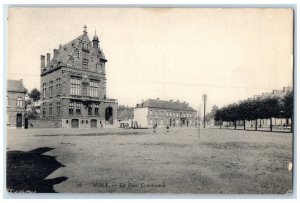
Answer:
x=144 y=100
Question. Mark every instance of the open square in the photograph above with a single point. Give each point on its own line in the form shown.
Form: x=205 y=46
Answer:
x=141 y=161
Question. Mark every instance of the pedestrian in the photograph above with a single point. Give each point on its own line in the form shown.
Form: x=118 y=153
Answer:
x=154 y=126
x=167 y=128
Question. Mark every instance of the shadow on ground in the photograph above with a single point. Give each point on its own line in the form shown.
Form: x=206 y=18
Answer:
x=26 y=171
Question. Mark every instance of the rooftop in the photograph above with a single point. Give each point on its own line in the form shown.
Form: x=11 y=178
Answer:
x=16 y=86
x=162 y=104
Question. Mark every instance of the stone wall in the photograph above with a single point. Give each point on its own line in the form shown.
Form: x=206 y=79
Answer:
x=44 y=123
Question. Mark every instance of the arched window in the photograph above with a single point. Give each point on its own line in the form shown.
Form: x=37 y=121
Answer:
x=19 y=102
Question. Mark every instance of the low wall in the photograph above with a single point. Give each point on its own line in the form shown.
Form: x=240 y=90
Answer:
x=44 y=123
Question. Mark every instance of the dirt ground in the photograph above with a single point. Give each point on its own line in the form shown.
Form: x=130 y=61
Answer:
x=140 y=161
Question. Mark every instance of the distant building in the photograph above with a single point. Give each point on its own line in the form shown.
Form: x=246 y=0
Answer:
x=275 y=93
x=164 y=113
x=15 y=104
x=73 y=86
x=126 y=118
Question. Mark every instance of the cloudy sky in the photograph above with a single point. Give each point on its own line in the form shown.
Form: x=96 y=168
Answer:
x=179 y=54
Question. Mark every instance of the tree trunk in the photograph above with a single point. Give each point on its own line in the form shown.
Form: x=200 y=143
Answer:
x=256 y=124
x=271 y=124
x=260 y=122
x=244 y=124
x=235 y=125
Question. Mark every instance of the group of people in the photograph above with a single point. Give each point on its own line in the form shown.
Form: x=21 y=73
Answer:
x=155 y=126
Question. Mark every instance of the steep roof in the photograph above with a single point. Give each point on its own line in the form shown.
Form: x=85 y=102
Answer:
x=66 y=51
x=15 y=86
x=126 y=114
x=162 y=104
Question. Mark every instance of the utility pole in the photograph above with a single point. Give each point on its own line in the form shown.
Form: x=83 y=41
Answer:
x=204 y=101
x=199 y=121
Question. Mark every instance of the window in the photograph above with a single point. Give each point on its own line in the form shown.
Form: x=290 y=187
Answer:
x=44 y=110
x=58 y=108
x=19 y=102
x=78 y=52
x=85 y=63
x=85 y=46
x=150 y=112
x=50 y=88
x=44 y=90
x=75 y=86
x=50 y=109
x=84 y=90
x=94 y=88
x=90 y=110
x=57 y=86
x=71 y=108
x=7 y=101
x=67 y=121
x=96 y=109
x=78 y=108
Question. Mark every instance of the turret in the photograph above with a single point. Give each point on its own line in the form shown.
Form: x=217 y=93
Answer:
x=95 y=41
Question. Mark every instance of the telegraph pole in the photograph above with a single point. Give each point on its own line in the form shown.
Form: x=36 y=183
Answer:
x=199 y=121
x=204 y=101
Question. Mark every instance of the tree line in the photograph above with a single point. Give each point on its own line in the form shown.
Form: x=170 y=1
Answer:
x=258 y=108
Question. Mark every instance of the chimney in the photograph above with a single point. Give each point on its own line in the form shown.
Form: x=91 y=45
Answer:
x=42 y=62
x=157 y=98
x=55 y=52
x=171 y=100
x=48 y=58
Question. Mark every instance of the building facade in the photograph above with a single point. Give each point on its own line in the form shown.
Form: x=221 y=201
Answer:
x=73 y=85
x=15 y=104
x=160 y=113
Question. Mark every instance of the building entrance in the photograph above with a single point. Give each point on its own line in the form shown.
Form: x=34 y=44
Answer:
x=75 y=123
x=19 y=120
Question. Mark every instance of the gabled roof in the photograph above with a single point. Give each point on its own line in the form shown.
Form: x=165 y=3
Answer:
x=66 y=51
x=15 y=86
x=126 y=114
x=173 y=105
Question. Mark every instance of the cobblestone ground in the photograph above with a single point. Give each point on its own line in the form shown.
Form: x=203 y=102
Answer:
x=141 y=161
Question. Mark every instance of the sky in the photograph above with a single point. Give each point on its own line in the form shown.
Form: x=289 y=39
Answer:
x=166 y=53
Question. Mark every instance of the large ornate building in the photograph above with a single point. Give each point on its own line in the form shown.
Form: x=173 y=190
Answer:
x=73 y=85
x=15 y=104
x=164 y=113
